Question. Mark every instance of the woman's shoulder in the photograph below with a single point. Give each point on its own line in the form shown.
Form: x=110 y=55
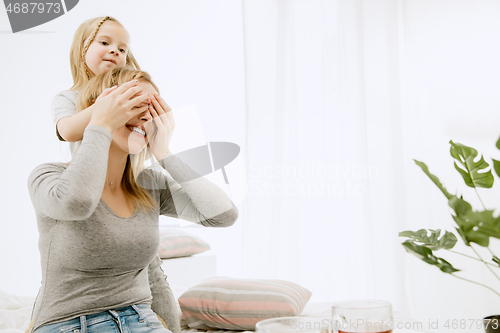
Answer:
x=146 y=178
x=154 y=178
x=49 y=166
x=46 y=169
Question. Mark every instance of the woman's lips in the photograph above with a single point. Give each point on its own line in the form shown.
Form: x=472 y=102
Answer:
x=134 y=132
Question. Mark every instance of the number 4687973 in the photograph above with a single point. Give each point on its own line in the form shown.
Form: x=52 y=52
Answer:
x=34 y=7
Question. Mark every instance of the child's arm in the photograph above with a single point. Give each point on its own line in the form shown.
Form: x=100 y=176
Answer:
x=63 y=105
x=71 y=128
x=69 y=123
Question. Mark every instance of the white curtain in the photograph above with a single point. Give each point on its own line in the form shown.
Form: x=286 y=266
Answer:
x=341 y=96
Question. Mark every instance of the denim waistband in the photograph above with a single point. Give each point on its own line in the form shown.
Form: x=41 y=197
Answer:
x=86 y=320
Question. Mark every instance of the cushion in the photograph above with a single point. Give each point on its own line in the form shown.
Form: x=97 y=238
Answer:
x=239 y=304
x=179 y=243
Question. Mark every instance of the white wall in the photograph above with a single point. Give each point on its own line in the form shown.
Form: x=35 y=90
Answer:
x=193 y=50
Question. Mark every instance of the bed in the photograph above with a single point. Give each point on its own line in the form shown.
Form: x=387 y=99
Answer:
x=15 y=311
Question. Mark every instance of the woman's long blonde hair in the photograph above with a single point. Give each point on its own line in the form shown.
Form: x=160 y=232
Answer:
x=82 y=39
x=135 y=163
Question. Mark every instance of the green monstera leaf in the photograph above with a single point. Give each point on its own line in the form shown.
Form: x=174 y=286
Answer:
x=432 y=241
x=496 y=166
x=478 y=227
x=426 y=255
x=496 y=163
x=459 y=205
x=472 y=226
x=474 y=173
x=434 y=179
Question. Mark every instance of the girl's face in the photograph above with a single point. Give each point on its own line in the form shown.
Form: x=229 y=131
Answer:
x=108 y=49
x=126 y=138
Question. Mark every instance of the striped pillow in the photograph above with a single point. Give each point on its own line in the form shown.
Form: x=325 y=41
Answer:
x=238 y=304
x=178 y=243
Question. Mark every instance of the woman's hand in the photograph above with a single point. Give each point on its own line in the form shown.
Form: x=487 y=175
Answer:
x=117 y=105
x=159 y=130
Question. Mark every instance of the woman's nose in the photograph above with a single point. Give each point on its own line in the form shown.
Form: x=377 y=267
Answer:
x=146 y=116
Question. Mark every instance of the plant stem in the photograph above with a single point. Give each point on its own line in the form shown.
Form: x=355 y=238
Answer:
x=465 y=255
x=491 y=252
x=475 y=189
x=484 y=262
x=480 y=284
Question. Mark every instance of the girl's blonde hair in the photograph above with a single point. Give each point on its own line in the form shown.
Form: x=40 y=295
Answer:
x=84 y=36
x=135 y=163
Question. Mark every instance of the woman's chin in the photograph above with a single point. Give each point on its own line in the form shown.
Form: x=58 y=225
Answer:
x=136 y=145
x=135 y=151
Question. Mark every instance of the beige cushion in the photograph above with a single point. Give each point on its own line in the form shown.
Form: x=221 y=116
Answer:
x=179 y=243
x=238 y=304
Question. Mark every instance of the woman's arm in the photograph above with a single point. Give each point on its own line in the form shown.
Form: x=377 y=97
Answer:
x=190 y=197
x=164 y=303
x=72 y=193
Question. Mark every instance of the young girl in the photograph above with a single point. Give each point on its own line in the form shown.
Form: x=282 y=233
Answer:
x=98 y=45
x=96 y=243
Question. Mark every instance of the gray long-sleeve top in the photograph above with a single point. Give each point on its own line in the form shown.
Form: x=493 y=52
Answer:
x=92 y=259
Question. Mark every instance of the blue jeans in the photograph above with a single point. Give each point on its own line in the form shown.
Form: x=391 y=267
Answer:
x=136 y=318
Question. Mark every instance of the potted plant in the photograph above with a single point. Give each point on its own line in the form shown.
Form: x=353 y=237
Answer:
x=473 y=226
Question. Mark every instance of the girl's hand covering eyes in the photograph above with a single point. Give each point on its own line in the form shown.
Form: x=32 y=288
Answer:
x=159 y=130
x=116 y=105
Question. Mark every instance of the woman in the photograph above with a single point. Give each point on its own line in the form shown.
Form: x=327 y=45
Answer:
x=98 y=215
